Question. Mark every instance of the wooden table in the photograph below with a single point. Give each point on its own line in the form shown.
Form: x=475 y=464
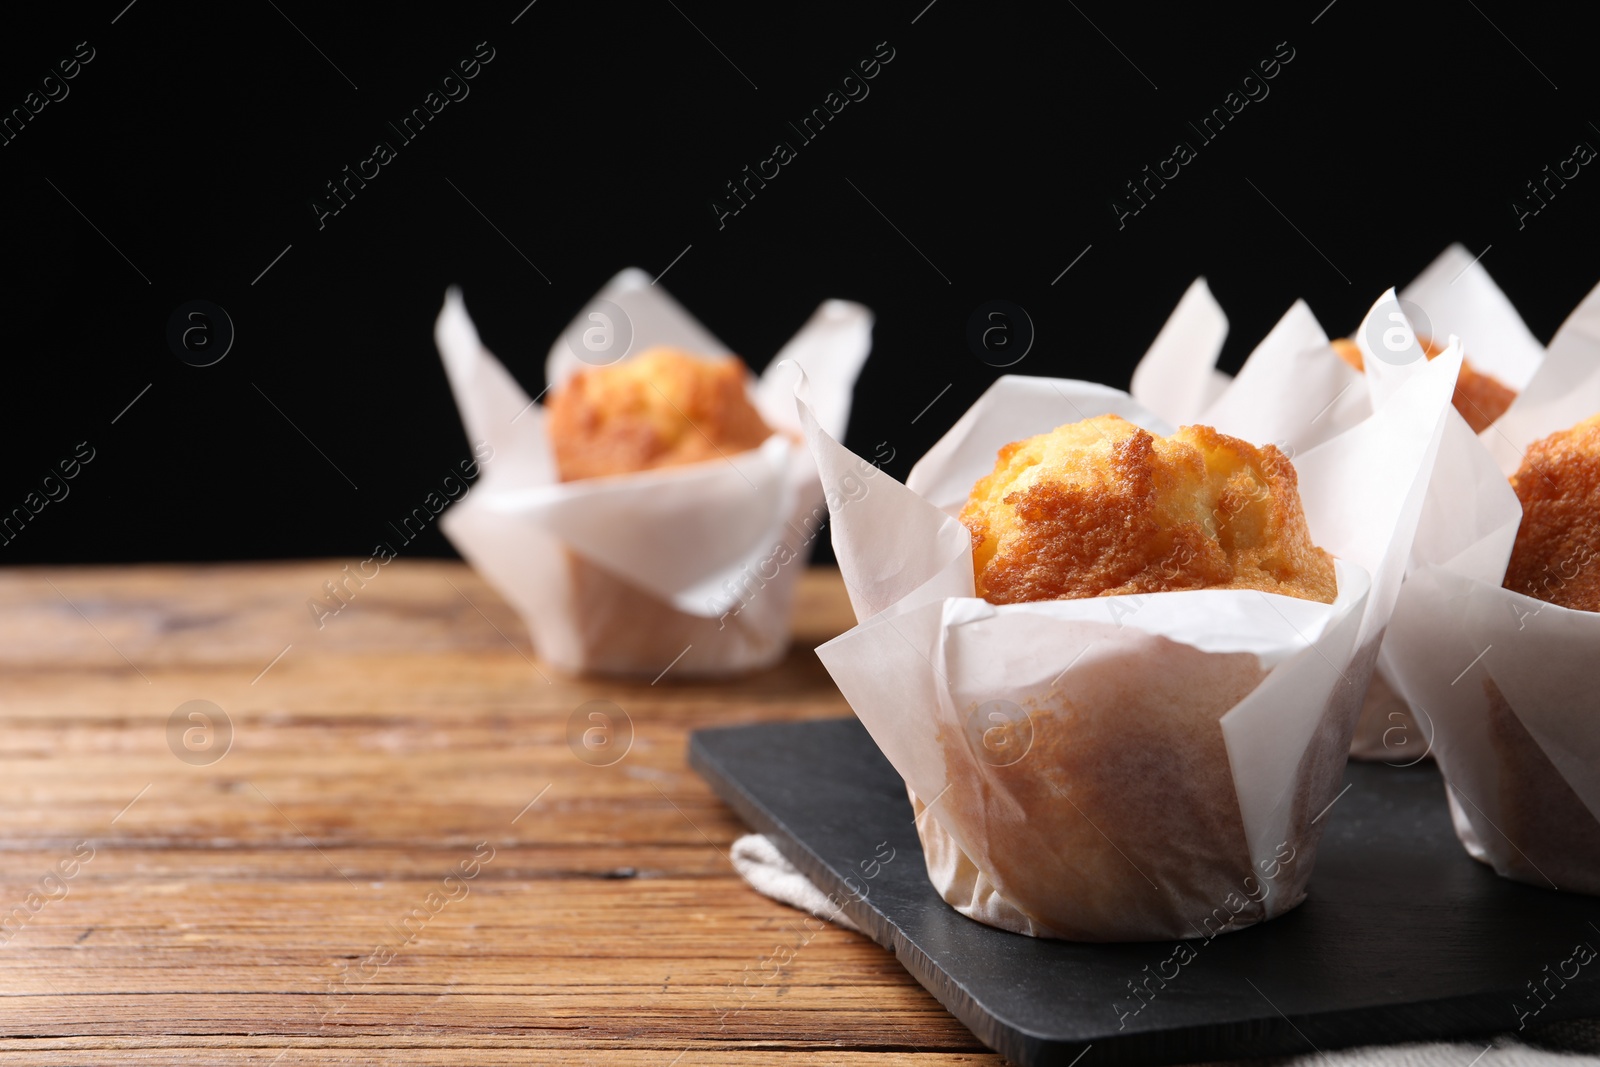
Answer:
x=306 y=898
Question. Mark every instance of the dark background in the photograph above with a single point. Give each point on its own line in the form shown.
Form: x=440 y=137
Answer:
x=597 y=137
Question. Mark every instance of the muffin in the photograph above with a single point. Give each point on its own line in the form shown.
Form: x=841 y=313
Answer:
x=650 y=518
x=1508 y=680
x=662 y=408
x=1556 y=559
x=1119 y=671
x=1103 y=508
x=1480 y=398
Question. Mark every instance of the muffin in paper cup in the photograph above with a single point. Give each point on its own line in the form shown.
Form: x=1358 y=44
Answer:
x=691 y=567
x=1117 y=768
x=1506 y=680
x=1297 y=391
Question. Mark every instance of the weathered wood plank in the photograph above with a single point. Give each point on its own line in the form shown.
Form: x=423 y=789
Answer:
x=290 y=899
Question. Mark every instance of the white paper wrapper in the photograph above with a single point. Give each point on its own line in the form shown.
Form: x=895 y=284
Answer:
x=1296 y=391
x=1507 y=681
x=1159 y=762
x=626 y=574
x=1314 y=394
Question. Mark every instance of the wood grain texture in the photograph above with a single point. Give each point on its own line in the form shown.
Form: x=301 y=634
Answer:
x=290 y=903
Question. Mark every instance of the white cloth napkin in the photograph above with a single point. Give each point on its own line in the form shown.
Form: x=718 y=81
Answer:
x=759 y=863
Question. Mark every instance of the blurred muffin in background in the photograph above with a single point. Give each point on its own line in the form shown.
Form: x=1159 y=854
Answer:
x=662 y=408
x=1480 y=398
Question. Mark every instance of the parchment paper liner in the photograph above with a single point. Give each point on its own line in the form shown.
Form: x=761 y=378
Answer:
x=690 y=567
x=1296 y=391
x=1127 y=816
x=1508 y=681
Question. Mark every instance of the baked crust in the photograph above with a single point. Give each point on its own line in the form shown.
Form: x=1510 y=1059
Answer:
x=1481 y=398
x=662 y=408
x=1556 y=557
x=1104 y=508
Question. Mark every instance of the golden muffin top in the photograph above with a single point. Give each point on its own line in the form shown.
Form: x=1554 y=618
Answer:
x=1556 y=557
x=662 y=408
x=1104 y=508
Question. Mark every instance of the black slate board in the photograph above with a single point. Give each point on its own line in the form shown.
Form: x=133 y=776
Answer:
x=1404 y=937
